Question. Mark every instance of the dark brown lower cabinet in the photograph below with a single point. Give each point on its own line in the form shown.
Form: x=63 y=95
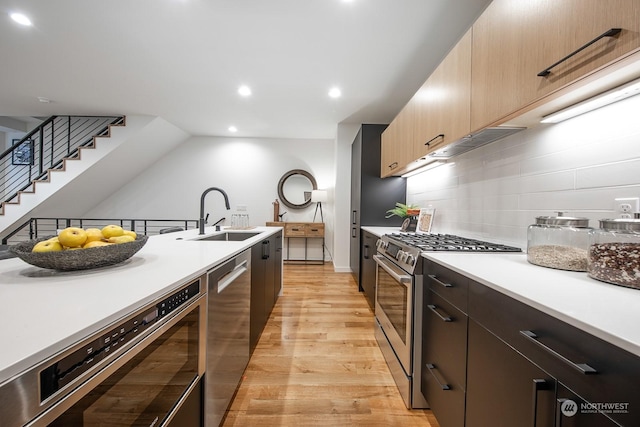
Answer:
x=368 y=267
x=444 y=357
x=266 y=282
x=491 y=360
x=504 y=389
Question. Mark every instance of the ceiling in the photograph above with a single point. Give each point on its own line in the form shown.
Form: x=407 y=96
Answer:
x=183 y=60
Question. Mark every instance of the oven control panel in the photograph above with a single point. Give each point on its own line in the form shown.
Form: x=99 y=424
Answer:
x=59 y=374
x=406 y=257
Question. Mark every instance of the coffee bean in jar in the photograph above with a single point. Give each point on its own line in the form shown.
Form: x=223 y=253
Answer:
x=614 y=252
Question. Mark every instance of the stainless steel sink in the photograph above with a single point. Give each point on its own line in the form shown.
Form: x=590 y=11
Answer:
x=230 y=236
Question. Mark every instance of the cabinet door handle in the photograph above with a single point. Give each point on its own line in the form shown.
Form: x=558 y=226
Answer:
x=434 y=308
x=609 y=33
x=434 y=138
x=431 y=367
x=366 y=252
x=538 y=385
x=435 y=279
x=393 y=165
x=353 y=217
x=353 y=232
x=265 y=249
x=582 y=367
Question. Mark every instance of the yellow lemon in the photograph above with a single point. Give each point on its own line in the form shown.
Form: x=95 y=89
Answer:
x=112 y=230
x=93 y=234
x=72 y=237
x=47 y=246
x=95 y=244
x=130 y=233
x=121 y=239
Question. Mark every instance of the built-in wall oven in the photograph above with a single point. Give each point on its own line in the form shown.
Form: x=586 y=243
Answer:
x=143 y=370
x=398 y=301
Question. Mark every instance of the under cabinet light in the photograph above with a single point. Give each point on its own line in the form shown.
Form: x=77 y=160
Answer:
x=429 y=166
x=618 y=94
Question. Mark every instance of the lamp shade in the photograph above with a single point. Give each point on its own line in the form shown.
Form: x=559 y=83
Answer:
x=319 y=196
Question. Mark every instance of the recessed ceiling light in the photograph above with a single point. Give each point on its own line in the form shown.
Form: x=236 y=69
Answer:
x=233 y=129
x=21 y=19
x=335 y=92
x=44 y=99
x=244 y=90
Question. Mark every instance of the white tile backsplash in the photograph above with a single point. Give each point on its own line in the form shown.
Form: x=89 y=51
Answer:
x=578 y=167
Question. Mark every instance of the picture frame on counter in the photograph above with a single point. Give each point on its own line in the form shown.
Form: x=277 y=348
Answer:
x=425 y=220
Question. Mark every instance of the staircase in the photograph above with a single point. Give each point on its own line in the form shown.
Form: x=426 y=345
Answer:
x=70 y=163
x=46 y=149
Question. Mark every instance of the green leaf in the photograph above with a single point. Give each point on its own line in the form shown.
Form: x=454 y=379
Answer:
x=400 y=210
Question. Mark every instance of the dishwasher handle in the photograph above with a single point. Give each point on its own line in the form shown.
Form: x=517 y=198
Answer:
x=231 y=276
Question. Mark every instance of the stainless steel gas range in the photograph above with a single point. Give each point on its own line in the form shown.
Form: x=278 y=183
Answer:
x=399 y=296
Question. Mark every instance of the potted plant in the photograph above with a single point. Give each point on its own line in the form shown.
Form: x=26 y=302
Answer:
x=408 y=212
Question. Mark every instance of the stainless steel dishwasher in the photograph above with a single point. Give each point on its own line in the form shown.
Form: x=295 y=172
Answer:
x=228 y=311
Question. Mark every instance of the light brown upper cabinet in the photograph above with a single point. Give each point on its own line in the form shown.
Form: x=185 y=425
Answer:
x=397 y=143
x=514 y=41
x=443 y=103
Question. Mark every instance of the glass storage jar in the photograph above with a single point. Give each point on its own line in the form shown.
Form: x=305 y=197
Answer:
x=559 y=242
x=614 y=252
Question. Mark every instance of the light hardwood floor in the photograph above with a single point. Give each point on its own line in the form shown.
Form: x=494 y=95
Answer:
x=317 y=362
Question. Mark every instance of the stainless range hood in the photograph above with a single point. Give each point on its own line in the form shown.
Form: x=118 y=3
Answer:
x=474 y=141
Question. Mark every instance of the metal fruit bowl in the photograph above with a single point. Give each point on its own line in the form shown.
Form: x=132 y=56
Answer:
x=80 y=259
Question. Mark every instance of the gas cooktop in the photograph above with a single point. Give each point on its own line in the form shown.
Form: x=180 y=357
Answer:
x=449 y=242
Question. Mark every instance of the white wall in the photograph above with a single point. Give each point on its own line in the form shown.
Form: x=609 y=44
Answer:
x=248 y=169
x=578 y=167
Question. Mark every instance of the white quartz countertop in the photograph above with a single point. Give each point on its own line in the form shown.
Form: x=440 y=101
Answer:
x=45 y=311
x=607 y=311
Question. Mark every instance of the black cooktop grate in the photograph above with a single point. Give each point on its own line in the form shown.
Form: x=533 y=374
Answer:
x=450 y=242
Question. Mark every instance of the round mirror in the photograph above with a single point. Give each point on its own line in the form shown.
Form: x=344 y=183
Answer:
x=294 y=188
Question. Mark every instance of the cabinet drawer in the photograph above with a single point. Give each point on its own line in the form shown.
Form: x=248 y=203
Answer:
x=314 y=229
x=564 y=351
x=294 y=230
x=444 y=346
x=448 y=284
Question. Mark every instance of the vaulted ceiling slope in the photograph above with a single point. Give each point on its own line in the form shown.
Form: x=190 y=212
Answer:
x=184 y=60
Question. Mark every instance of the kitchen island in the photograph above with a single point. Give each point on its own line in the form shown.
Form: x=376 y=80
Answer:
x=46 y=311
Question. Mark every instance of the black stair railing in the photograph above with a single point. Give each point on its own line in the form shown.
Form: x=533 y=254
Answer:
x=45 y=147
x=35 y=228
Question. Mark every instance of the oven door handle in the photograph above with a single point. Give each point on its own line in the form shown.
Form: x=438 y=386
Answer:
x=394 y=271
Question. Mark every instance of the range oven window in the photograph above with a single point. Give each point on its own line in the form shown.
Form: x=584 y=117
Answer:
x=393 y=298
x=144 y=390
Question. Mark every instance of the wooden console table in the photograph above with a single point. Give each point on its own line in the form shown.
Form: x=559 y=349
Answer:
x=302 y=230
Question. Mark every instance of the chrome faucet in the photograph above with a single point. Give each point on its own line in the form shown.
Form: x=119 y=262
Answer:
x=226 y=202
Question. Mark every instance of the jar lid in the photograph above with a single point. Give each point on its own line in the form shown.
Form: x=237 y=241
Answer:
x=620 y=224
x=564 y=221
